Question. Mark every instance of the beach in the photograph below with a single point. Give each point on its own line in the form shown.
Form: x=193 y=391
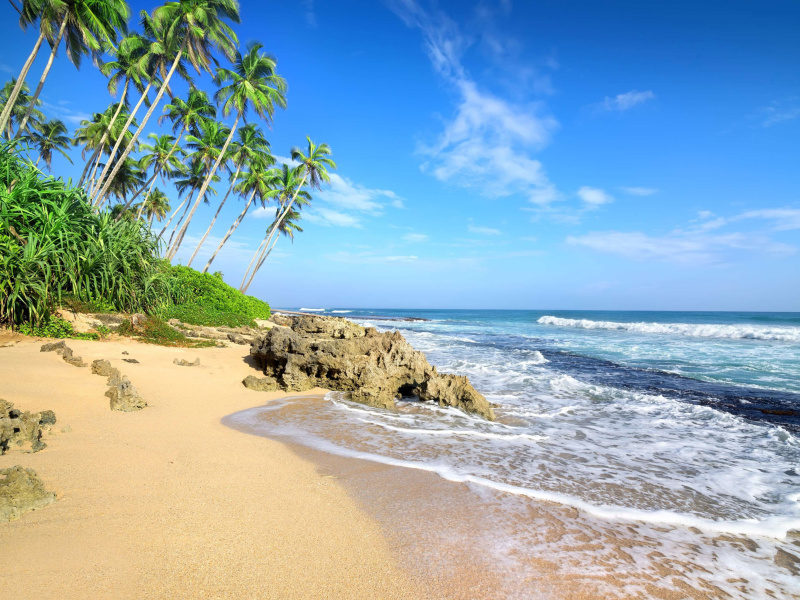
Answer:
x=169 y=503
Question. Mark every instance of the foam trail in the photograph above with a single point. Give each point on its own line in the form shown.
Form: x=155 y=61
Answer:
x=704 y=330
x=312 y=309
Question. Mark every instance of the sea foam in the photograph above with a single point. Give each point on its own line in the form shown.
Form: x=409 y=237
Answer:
x=703 y=330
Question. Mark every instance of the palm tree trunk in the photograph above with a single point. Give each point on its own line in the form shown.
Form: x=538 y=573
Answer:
x=143 y=124
x=112 y=154
x=150 y=220
x=214 y=220
x=173 y=215
x=92 y=160
x=203 y=189
x=231 y=229
x=169 y=154
x=5 y=116
x=149 y=182
x=178 y=224
x=108 y=130
x=255 y=256
x=37 y=161
x=44 y=76
x=260 y=264
x=141 y=208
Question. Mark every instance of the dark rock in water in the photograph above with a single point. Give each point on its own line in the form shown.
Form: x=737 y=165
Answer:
x=260 y=384
x=21 y=429
x=65 y=352
x=185 y=363
x=21 y=491
x=376 y=368
x=124 y=397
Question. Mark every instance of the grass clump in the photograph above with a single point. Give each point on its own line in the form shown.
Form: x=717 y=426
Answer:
x=155 y=331
x=59 y=328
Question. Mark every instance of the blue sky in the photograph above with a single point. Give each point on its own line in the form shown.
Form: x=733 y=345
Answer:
x=509 y=154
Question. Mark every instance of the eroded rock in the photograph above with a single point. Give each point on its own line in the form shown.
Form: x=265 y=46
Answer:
x=23 y=430
x=260 y=384
x=375 y=367
x=21 y=491
x=182 y=362
x=65 y=352
x=124 y=397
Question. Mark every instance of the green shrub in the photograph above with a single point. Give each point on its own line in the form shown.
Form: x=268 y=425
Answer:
x=155 y=331
x=56 y=327
x=195 y=314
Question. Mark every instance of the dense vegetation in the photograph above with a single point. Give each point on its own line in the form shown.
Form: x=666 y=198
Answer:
x=97 y=243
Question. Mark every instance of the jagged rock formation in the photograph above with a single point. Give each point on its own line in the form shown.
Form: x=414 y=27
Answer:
x=121 y=393
x=185 y=363
x=309 y=351
x=236 y=335
x=21 y=490
x=65 y=352
x=260 y=384
x=22 y=429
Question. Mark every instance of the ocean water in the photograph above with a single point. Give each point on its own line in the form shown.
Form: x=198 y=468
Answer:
x=678 y=427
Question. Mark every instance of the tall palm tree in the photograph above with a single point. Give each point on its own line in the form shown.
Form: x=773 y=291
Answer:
x=155 y=205
x=249 y=145
x=93 y=131
x=47 y=137
x=253 y=84
x=30 y=13
x=87 y=25
x=127 y=181
x=190 y=28
x=129 y=66
x=196 y=171
x=257 y=182
x=159 y=155
x=313 y=164
x=206 y=148
x=288 y=192
x=23 y=101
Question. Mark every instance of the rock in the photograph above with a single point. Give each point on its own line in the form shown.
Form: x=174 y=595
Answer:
x=124 y=397
x=103 y=368
x=125 y=352
x=65 y=352
x=185 y=363
x=20 y=428
x=238 y=338
x=260 y=384
x=21 y=491
x=131 y=360
x=375 y=367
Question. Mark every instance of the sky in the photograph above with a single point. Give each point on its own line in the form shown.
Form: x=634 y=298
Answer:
x=617 y=155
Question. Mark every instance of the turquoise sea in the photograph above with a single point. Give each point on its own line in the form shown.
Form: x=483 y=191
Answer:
x=684 y=423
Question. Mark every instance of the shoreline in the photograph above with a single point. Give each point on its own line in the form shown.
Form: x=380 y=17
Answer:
x=167 y=501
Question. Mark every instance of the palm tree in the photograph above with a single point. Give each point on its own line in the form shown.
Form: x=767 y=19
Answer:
x=253 y=84
x=250 y=144
x=196 y=172
x=129 y=65
x=191 y=28
x=160 y=155
x=206 y=148
x=29 y=14
x=313 y=164
x=23 y=101
x=92 y=132
x=87 y=25
x=156 y=204
x=47 y=137
x=258 y=181
x=128 y=179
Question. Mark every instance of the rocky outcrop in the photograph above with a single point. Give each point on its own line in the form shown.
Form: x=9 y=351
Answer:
x=309 y=351
x=23 y=429
x=236 y=335
x=121 y=393
x=260 y=384
x=182 y=362
x=65 y=352
x=21 y=490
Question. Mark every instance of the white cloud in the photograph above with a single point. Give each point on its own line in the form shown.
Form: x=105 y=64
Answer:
x=311 y=17
x=626 y=101
x=594 y=196
x=415 y=238
x=400 y=258
x=486 y=145
x=780 y=112
x=639 y=191
x=327 y=217
x=484 y=230
x=784 y=219
x=344 y=194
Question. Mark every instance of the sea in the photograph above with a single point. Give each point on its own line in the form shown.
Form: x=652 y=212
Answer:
x=640 y=454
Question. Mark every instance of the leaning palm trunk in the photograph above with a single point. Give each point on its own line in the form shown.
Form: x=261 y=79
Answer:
x=143 y=124
x=146 y=196
x=149 y=184
x=180 y=206
x=266 y=253
x=214 y=220
x=106 y=133
x=231 y=229
x=5 y=116
x=203 y=189
x=44 y=76
x=92 y=160
x=178 y=224
x=261 y=246
x=96 y=185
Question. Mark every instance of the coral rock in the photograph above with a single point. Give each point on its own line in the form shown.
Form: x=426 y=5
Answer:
x=21 y=490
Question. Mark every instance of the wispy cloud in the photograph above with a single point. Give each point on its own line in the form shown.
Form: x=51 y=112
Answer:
x=311 y=16
x=6 y=69
x=346 y=195
x=639 y=191
x=623 y=102
x=63 y=112
x=484 y=230
x=487 y=144
x=594 y=196
x=328 y=217
x=780 y=111
x=415 y=238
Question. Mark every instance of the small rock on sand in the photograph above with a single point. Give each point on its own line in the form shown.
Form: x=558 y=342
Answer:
x=260 y=384
x=185 y=363
x=21 y=490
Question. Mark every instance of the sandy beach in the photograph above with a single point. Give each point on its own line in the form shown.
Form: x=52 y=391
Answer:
x=169 y=503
